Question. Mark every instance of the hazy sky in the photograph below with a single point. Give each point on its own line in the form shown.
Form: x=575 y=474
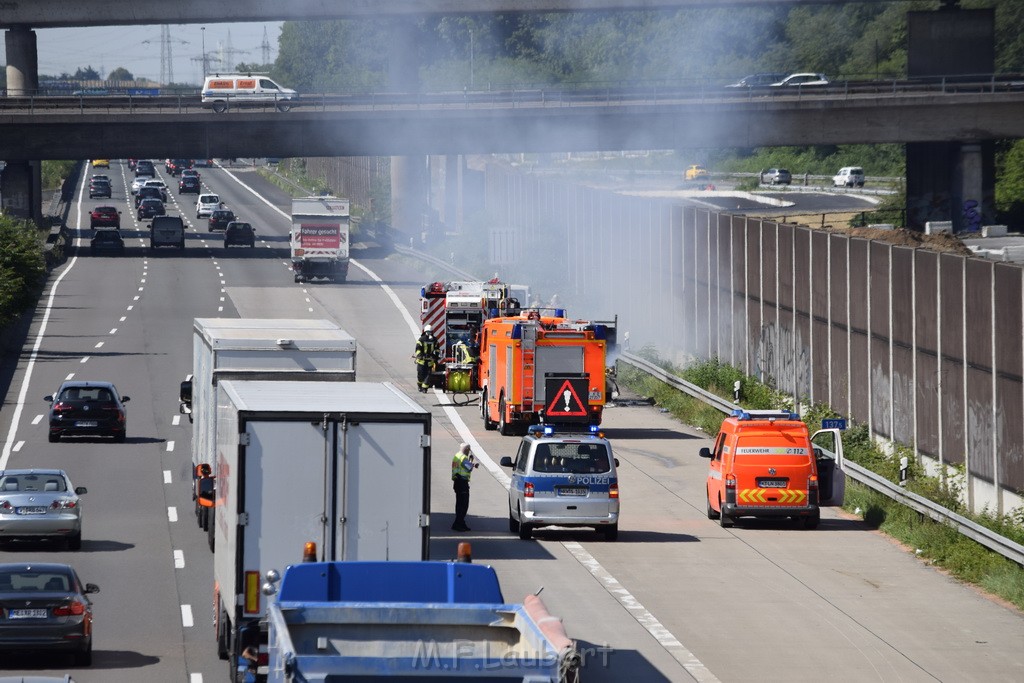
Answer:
x=137 y=48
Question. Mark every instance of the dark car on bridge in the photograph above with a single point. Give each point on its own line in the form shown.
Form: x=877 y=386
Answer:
x=151 y=207
x=189 y=184
x=761 y=80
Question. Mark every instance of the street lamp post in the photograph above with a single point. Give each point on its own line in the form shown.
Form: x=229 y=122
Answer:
x=203 y=29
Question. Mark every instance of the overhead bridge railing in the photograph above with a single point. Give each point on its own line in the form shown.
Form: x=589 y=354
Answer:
x=986 y=537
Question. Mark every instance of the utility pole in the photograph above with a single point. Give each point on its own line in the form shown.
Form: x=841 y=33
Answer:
x=203 y=29
x=265 y=47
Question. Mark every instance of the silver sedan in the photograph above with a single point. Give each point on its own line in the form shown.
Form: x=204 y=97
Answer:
x=38 y=503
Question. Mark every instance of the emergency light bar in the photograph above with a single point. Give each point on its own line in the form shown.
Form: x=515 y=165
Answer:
x=741 y=414
x=549 y=430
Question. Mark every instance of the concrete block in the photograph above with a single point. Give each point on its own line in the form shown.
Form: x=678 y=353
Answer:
x=882 y=226
x=936 y=227
x=993 y=231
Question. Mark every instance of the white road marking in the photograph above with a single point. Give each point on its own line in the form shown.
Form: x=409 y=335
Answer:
x=195 y=678
x=141 y=288
x=70 y=376
x=123 y=318
x=179 y=559
x=176 y=420
x=99 y=345
x=222 y=298
x=143 y=280
x=220 y=309
x=170 y=446
x=30 y=366
x=172 y=514
x=310 y=309
x=223 y=282
x=131 y=307
x=37 y=419
x=134 y=298
x=186 y=616
x=167 y=476
x=18 y=446
x=84 y=360
x=113 y=330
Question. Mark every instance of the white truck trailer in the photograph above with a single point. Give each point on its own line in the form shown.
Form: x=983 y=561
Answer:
x=345 y=466
x=252 y=348
x=320 y=238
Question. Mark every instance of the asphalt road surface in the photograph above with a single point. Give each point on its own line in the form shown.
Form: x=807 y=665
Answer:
x=676 y=598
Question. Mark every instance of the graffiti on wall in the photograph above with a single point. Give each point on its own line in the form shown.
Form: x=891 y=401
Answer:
x=979 y=438
x=782 y=360
x=881 y=397
x=971 y=215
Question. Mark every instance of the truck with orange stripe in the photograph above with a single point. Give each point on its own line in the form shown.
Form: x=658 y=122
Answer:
x=765 y=464
x=538 y=368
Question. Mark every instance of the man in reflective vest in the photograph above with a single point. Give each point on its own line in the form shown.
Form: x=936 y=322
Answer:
x=463 y=465
x=426 y=357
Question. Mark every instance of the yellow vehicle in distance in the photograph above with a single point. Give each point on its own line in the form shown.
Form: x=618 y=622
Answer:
x=697 y=172
x=101 y=163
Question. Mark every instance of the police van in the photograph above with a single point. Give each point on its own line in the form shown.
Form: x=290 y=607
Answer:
x=222 y=92
x=565 y=479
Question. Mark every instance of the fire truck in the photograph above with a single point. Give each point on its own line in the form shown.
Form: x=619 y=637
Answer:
x=456 y=311
x=537 y=368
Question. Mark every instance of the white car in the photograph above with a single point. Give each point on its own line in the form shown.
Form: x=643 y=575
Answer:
x=802 y=79
x=139 y=182
x=206 y=204
x=849 y=176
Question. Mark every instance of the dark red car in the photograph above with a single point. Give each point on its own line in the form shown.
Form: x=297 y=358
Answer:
x=105 y=217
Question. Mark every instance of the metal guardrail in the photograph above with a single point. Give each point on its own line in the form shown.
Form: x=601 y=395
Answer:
x=986 y=537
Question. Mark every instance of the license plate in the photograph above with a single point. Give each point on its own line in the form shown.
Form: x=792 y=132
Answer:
x=86 y=423
x=26 y=614
x=773 y=483
x=572 y=490
x=33 y=510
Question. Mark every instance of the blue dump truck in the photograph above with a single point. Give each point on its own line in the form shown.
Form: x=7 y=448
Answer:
x=339 y=621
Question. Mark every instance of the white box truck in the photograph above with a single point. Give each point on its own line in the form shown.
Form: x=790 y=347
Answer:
x=252 y=348
x=319 y=238
x=343 y=465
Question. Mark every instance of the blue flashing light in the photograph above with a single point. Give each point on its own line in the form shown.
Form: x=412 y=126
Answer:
x=517 y=331
x=559 y=312
x=600 y=332
x=737 y=412
x=594 y=429
x=543 y=429
x=423 y=292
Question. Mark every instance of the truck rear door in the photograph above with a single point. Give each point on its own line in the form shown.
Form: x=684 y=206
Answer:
x=383 y=492
x=283 y=499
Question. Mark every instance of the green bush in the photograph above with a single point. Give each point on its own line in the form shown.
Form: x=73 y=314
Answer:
x=22 y=267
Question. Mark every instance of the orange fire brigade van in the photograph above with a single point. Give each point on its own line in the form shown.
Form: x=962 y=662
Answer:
x=764 y=464
x=537 y=368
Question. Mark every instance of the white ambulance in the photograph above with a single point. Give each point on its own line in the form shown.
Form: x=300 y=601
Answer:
x=224 y=91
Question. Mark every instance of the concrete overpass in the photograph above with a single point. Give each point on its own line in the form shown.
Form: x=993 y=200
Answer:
x=57 y=13
x=69 y=128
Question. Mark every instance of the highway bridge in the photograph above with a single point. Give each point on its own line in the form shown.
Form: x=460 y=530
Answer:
x=515 y=120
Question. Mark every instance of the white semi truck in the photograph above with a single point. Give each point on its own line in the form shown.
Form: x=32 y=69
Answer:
x=343 y=465
x=252 y=348
x=320 y=238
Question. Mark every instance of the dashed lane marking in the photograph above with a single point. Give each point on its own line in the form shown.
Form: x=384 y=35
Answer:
x=179 y=559
x=172 y=514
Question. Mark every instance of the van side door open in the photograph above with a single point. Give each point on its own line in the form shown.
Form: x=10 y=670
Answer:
x=828 y=454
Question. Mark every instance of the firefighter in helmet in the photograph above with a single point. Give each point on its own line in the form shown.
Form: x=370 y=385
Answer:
x=426 y=355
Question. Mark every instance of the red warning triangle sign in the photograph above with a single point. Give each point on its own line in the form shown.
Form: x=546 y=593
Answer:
x=565 y=402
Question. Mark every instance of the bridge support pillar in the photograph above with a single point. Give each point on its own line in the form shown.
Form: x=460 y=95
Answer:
x=21 y=189
x=950 y=181
x=409 y=177
x=22 y=62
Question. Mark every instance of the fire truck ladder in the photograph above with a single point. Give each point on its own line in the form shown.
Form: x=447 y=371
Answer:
x=529 y=367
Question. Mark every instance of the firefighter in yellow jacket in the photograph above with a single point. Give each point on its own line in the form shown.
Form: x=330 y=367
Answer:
x=427 y=354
